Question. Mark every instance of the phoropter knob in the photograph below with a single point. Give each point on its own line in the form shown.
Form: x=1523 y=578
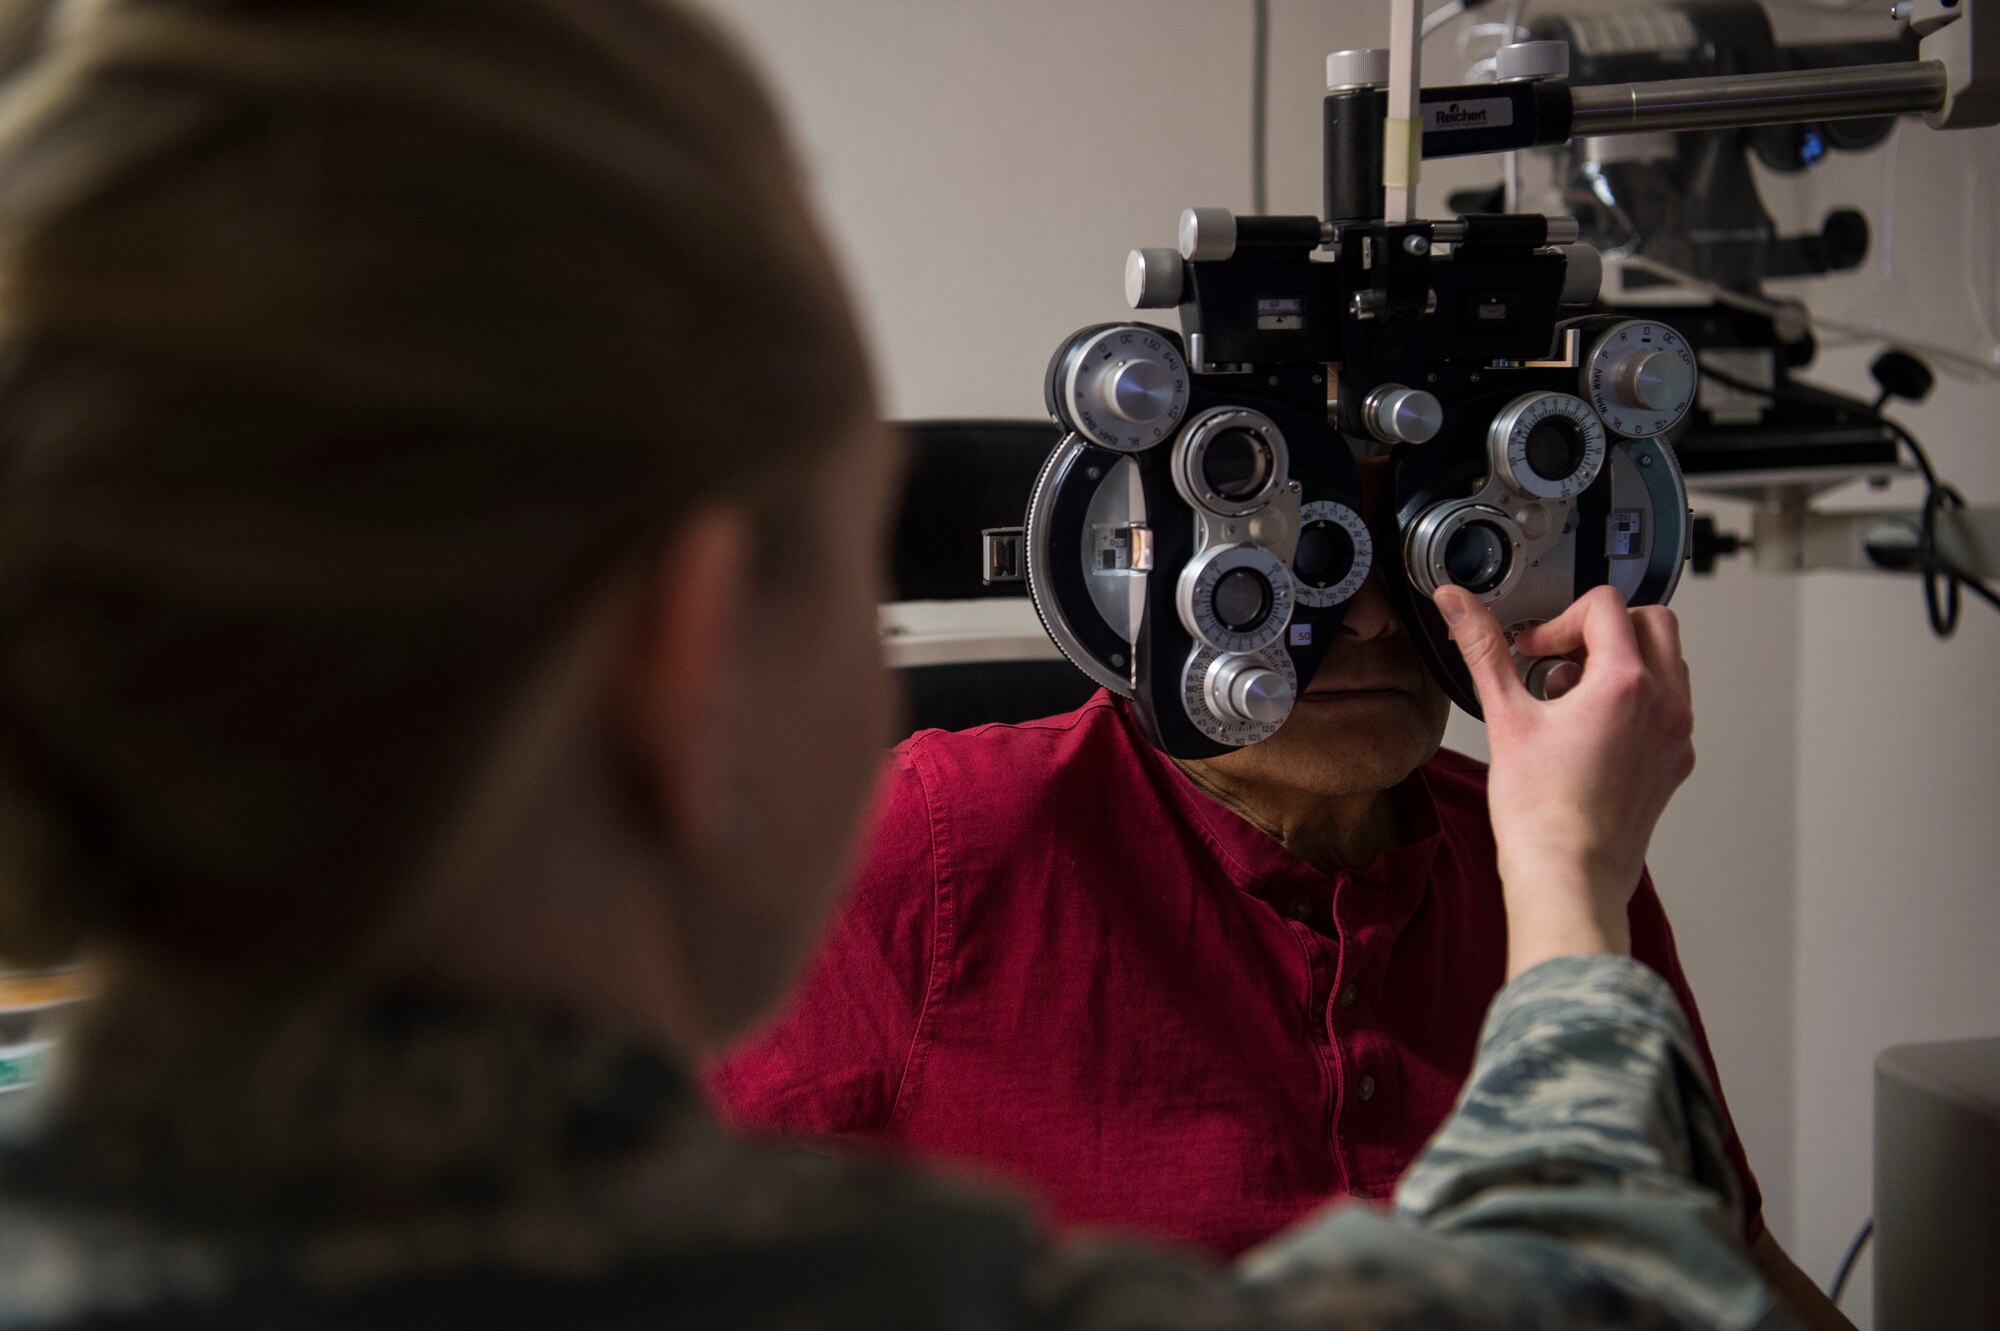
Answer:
x=1243 y=690
x=1641 y=377
x=1398 y=415
x=1121 y=386
x=1654 y=380
x=1139 y=391
x=1583 y=274
x=1154 y=279
x=1207 y=234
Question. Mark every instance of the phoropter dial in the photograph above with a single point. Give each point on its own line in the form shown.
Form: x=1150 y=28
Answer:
x=1123 y=387
x=1641 y=377
x=1239 y=698
x=1235 y=598
x=1334 y=554
x=1547 y=445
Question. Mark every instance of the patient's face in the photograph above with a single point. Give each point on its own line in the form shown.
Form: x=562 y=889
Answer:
x=1370 y=717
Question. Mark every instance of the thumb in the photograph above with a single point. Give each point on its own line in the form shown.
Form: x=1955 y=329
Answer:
x=1488 y=658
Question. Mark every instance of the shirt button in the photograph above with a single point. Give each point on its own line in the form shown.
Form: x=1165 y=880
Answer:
x=1301 y=908
x=1348 y=996
x=1365 y=1088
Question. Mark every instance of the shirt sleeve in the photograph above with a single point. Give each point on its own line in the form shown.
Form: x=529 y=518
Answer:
x=833 y=1063
x=1653 y=943
x=1581 y=1182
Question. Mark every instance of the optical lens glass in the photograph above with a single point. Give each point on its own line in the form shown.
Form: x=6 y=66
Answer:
x=1236 y=464
x=1555 y=449
x=1325 y=554
x=1242 y=600
x=1476 y=557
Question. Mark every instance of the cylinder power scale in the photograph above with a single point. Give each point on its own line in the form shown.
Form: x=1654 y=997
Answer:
x=1641 y=378
x=1124 y=386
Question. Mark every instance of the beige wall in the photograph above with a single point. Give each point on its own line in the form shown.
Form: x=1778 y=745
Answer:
x=1898 y=763
x=985 y=166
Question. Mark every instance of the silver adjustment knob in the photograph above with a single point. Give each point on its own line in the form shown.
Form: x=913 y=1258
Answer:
x=1652 y=380
x=1244 y=690
x=1209 y=678
x=1121 y=386
x=1532 y=60
x=1398 y=415
x=1548 y=677
x=1155 y=279
x=1365 y=68
x=1139 y=391
x=1207 y=234
x=1640 y=376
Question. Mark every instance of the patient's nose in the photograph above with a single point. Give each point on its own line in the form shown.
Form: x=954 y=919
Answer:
x=1369 y=614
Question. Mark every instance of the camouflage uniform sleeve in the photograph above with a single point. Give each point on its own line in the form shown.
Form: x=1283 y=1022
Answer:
x=1581 y=1182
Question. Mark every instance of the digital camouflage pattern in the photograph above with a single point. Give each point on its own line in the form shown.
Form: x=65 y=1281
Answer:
x=436 y=1164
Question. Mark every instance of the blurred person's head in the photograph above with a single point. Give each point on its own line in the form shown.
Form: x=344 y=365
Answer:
x=422 y=422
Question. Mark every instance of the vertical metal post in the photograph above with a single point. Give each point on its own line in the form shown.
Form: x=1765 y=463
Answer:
x=1402 y=135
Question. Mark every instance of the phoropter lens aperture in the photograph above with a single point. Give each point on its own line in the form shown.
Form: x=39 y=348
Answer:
x=1236 y=464
x=1242 y=600
x=1555 y=448
x=1324 y=555
x=1476 y=557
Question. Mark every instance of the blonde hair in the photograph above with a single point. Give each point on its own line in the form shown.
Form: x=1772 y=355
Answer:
x=345 y=348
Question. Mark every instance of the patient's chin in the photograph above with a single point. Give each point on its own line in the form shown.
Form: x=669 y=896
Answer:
x=1345 y=746
x=1338 y=743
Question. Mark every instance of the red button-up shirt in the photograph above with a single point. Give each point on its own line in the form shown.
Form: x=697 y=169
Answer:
x=1062 y=961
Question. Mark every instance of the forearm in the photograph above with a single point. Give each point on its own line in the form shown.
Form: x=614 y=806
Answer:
x=1581 y=1180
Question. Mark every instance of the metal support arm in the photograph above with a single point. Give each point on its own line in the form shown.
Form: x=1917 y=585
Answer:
x=1789 y=540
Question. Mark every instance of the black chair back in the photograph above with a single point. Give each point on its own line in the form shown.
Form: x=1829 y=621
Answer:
x=966 y=476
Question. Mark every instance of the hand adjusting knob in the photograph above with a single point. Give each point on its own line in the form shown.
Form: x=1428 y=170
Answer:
x=1243 y=690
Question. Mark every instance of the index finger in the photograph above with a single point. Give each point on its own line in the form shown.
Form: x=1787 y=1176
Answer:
x=1659 y=633
x=1596 y=624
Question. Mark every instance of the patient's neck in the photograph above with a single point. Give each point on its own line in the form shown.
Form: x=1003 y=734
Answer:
x=1331 y=832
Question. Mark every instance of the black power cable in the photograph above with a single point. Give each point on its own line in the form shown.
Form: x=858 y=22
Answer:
x=1936 y=569
x=1839 y=1285
x=1939 y=573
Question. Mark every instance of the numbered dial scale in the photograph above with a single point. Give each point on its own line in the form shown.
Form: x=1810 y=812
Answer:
x=1334 y=554
x=1237 y=699
x=1641 y=377
x=1235 y=598
x=1123 y=387
x=1548 y=445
